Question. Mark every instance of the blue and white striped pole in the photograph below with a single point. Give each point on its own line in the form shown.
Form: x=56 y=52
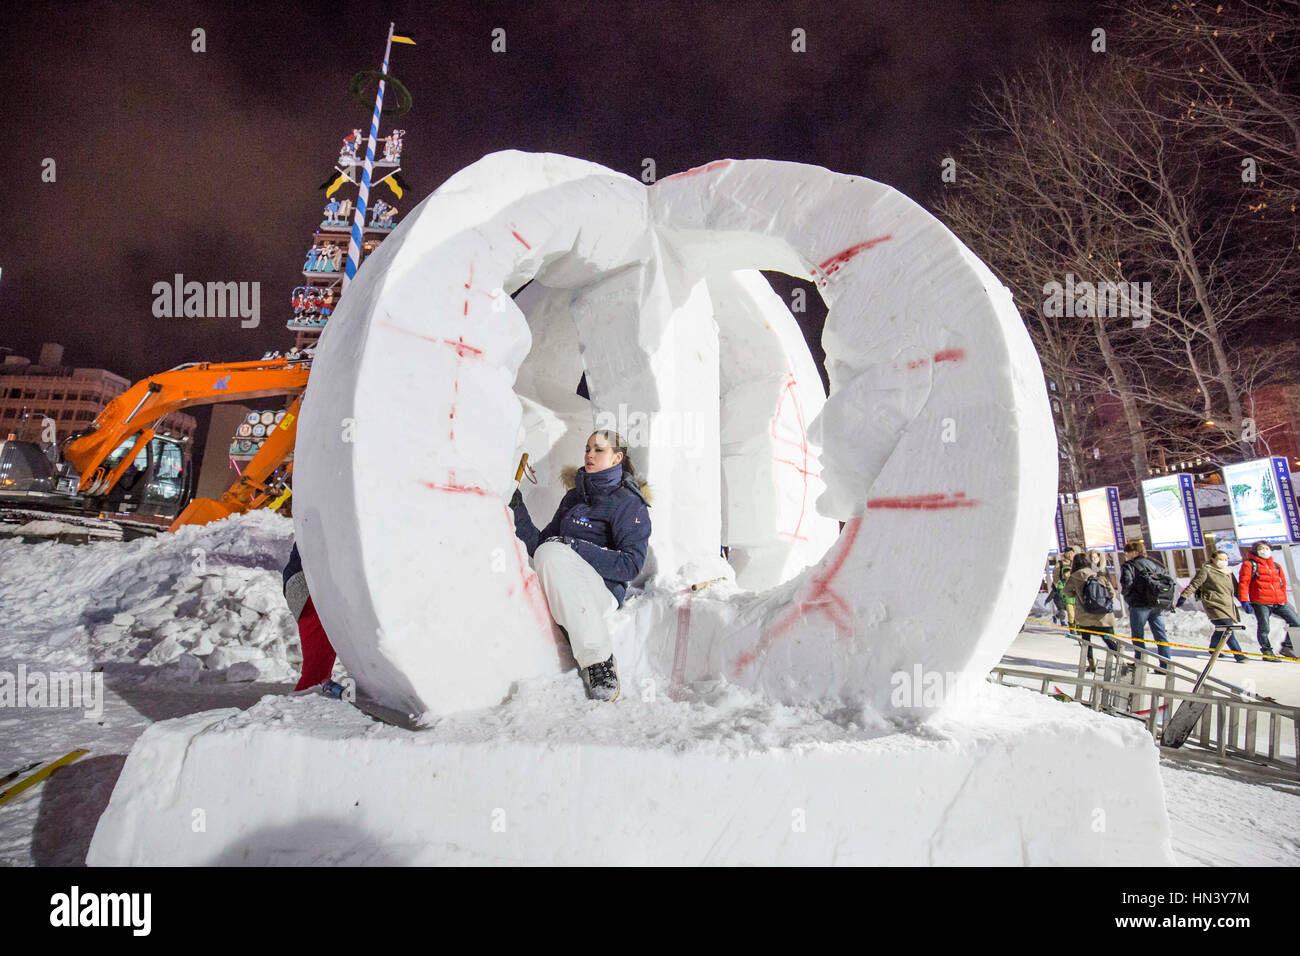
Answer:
x=363 y=195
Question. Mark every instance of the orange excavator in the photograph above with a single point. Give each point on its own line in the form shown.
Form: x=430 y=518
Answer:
x=135 y=412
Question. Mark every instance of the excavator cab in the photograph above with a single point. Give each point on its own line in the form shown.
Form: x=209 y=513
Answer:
x=157 y=482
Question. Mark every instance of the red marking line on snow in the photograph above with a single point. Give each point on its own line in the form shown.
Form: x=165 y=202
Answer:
x=820 y=597
x=843 y=257
x=458 y=344
x=696 y=170
x=521 y=239
x=935 y=502
x=456 y=489
x=468 y=282
x=802 y=444
x=945 y=355
x=678 y=675
x=462 y=349
x=532 y=586
x=796 y=466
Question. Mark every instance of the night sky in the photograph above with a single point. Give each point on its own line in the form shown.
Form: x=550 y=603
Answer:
x=208 y=163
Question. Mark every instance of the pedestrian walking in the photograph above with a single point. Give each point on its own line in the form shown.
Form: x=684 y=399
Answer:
x=1146 y=587
x=1214 y=586
x=1263 y=587
x=1093 y=608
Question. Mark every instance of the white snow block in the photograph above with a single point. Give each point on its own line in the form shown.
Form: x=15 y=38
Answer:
x=406 y=445
x=547 y=778
x=936 y=442
x=770 y=393
x=935 y=445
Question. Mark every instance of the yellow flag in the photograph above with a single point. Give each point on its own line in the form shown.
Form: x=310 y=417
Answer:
x=397 y=190
x=397 y=39
x=336 y=184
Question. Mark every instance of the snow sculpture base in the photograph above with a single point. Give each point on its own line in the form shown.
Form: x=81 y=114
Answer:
x=549 y=778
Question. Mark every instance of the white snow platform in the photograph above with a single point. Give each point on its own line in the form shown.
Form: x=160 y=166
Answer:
x=721 y=777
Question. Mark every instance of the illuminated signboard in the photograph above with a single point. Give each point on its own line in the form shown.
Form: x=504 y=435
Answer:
x=1263 y=502
x=1058 y=531
x=1172 y=519
x=1103 y=528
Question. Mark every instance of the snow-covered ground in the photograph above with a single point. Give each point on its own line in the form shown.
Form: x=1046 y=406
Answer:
x=195 y=621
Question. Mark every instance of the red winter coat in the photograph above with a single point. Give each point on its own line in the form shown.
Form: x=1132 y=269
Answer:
x=1262 y=581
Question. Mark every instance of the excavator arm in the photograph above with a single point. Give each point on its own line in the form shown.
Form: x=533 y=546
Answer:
x=251 y=490
x=136 y=411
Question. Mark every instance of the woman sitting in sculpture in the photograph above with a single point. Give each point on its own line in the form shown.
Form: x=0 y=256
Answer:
x=585 y=557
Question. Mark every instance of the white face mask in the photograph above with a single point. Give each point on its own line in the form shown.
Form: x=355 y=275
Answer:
x=1265 y=552
x=1221 y=563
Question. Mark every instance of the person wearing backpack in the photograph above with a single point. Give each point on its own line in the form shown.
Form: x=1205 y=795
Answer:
x=1263 y=587
x=1064 y=568
x=1102 y=566
x=1146 y=587
x=1216 y=588
x=1093 y=608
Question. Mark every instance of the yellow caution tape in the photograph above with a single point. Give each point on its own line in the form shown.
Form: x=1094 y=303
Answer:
x=1190 y=647
x=41 y=774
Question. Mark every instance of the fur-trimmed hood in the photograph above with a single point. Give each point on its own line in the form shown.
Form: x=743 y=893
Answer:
x=569 y=475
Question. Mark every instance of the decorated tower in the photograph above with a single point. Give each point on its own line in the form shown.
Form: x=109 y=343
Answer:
x=354 y=222
x=325 y=267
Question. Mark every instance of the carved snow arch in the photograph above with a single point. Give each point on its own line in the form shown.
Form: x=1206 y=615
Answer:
x=937 y=445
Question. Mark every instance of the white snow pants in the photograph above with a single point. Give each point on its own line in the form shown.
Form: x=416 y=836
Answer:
x=579 y=600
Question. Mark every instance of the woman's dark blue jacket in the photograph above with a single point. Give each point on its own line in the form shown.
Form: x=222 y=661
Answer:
x=604 y=517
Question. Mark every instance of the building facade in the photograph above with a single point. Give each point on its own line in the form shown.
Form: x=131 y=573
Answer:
x=32 y=395
x=1276 y=410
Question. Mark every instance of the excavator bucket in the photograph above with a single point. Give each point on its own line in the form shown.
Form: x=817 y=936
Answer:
x=201 y=511
x=251 y=490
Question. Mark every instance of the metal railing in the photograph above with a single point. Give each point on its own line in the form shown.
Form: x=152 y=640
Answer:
x=1230 y=726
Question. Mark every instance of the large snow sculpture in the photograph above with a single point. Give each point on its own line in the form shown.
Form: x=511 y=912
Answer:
x=934 y=446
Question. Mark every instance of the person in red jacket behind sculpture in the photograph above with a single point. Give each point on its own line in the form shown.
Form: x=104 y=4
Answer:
x=1263 y=588
x=317 y=651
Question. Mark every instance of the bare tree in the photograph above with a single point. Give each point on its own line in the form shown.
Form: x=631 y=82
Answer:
x=1231 y=71
x=1093 y=168
x=1019 y=203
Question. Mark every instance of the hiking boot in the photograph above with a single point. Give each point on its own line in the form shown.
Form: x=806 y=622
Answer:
x=1288 y=650
x=1241 y=658
x=601 y=680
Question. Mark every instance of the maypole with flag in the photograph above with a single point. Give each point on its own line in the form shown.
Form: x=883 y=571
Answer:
x=325 y=270
x=363 y=194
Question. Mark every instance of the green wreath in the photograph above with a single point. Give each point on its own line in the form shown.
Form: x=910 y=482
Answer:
x=361 y=78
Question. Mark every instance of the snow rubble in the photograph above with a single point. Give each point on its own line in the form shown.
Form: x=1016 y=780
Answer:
x=193 y=606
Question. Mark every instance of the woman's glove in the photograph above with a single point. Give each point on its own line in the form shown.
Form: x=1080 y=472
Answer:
x=516 y=500
x=1181 y=601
